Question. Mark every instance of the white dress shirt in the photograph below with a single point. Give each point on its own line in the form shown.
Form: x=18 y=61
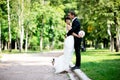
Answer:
x=74 y=19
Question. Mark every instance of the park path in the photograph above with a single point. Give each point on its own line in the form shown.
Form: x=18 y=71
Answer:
x=29 y=67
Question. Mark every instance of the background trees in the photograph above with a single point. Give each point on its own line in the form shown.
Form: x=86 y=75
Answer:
x=101 y=16
x=39 y=24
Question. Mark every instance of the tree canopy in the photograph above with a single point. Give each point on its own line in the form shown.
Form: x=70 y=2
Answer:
x=41 y=22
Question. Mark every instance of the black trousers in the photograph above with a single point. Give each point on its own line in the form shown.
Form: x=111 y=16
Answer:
x=77 y=43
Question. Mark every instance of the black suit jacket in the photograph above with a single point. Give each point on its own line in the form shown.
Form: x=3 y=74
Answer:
x=75 y=27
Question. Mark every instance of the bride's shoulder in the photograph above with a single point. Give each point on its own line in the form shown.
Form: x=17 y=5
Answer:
x=68 y=27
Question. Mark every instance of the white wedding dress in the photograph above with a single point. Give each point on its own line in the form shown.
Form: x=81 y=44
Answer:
x=62 y=62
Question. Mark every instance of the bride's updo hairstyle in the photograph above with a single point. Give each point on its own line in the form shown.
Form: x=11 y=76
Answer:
x=67 y=18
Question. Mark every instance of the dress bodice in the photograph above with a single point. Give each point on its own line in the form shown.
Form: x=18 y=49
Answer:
x=68 y=27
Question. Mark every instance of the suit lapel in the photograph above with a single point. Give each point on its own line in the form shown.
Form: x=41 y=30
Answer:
x=74 y=21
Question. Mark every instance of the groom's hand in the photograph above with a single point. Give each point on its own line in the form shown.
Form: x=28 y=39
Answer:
x=81 y=35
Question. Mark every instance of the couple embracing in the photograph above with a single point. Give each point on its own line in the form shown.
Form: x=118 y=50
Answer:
x=71 y=43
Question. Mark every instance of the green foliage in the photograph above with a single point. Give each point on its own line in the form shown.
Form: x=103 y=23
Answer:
x=34 y=41
x=99 y=12
x=3 y=21
x=44 y=18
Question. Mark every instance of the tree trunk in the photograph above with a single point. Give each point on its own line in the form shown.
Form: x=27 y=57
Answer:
x=21 y=23
x=52 y=46
x=5 y=46
x=27 y=27
x=26 y=41
x=0 y=39
x=15 y=45
x=41 y=34
x=21 y=38
x=117 y=40
x=9 y=28
x=96 y=44
x=117 y=32
x=111 y=43
x=111 y=37
x=41 y=41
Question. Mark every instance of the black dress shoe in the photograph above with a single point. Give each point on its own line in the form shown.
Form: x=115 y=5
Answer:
x=75 y=67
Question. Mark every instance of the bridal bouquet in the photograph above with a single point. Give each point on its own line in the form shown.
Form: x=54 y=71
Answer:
x=81 y=33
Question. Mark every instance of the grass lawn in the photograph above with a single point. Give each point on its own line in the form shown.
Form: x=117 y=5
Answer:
x=101 y=64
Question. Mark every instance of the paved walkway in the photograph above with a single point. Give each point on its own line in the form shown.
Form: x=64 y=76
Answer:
x=29 y=67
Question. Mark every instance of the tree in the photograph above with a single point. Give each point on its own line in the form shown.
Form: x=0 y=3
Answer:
x=47 y=20
x=0 y=38
x=116 y=10
x=21 y=23
x=9 y=28
x=100 y=12
x=27 y=21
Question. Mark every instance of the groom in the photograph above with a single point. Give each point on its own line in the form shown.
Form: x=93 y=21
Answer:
x=77 y=41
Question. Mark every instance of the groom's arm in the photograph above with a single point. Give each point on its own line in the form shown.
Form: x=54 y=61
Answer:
x=74 y=34
x=74 y=27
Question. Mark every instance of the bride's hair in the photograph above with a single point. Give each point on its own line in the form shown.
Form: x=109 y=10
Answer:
x=67 y=18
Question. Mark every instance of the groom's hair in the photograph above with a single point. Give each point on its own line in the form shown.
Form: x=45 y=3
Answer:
x=72 y=13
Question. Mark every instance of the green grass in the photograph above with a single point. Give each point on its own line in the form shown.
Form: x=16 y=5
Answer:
x=101 y=64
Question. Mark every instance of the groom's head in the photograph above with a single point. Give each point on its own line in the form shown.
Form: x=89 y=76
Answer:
x=71 y=14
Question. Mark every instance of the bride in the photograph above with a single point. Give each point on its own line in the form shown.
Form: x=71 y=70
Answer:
x=61 y=63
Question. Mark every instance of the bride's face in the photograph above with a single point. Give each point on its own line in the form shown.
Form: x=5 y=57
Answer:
x=67 y=21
